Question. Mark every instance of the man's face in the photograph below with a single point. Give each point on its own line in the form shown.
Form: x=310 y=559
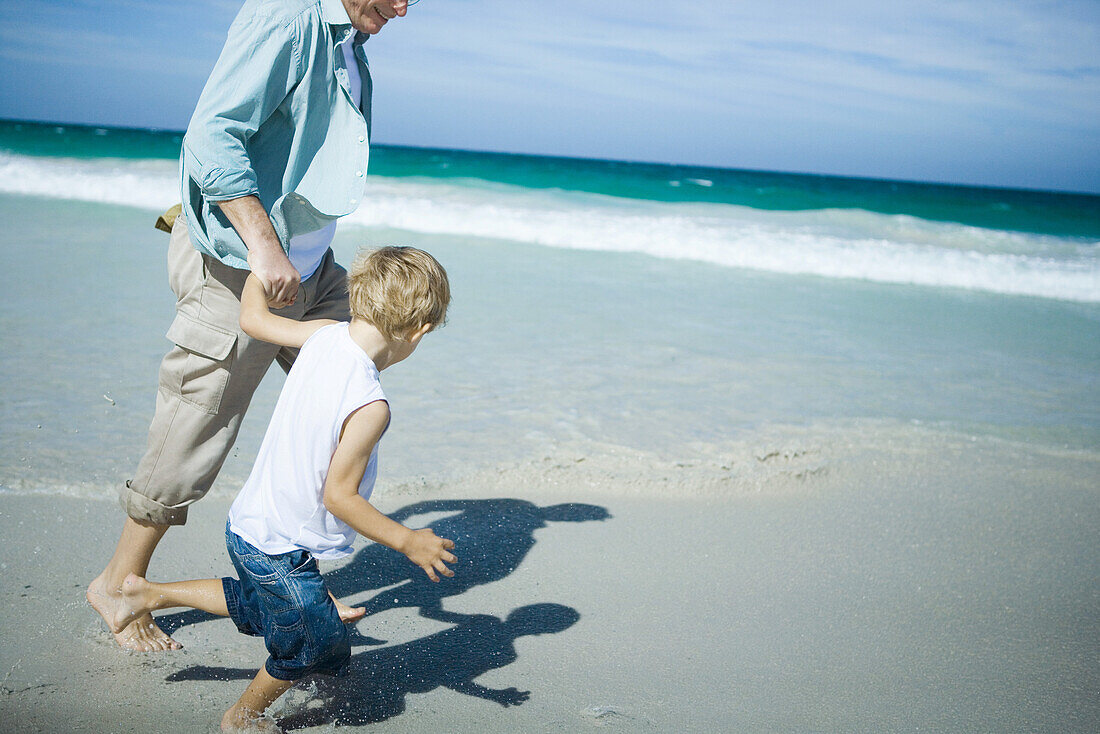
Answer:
x=368 y=16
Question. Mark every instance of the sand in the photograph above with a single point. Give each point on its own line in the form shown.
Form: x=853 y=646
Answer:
x=950 y=588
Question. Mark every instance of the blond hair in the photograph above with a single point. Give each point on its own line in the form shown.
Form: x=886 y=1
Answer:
x=398 y=290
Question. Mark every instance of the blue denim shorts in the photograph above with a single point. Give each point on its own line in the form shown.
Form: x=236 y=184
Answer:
x=284 y=599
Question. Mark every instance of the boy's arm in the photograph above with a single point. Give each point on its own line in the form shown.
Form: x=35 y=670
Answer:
x=504 y=696
x=259 y=323
x=361 y=432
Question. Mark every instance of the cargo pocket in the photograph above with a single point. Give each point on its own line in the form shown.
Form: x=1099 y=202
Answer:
x=201 y=370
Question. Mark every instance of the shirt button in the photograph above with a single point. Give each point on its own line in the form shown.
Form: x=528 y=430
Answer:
x=362 y=139
x=359 y=174
x=352 y=201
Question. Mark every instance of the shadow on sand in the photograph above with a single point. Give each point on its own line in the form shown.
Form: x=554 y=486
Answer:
x=492 y=537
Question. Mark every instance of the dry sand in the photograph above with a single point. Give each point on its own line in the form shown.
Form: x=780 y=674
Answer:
x=954 y=588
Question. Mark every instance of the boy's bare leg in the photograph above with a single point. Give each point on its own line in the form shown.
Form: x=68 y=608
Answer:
x=140 y=597
x=347 y=614
x=261 y=693
x=135 y=548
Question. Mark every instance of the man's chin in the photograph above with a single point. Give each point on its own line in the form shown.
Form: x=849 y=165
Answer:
x=370 y=28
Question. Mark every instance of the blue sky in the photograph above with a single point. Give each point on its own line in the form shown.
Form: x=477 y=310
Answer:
x=979 y=91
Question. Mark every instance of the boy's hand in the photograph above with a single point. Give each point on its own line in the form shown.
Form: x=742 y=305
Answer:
x=279 y=278
x=511 y=697
x=429 y=551
x=258 y=322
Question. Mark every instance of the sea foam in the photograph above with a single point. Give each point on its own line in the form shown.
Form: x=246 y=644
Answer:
x=830 y=243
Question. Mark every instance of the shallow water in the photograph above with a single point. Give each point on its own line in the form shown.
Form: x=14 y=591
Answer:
x=547 y=351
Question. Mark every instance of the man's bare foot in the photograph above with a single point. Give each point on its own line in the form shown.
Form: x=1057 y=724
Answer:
x=238 y=719
x=141 y=635
x=348 y=615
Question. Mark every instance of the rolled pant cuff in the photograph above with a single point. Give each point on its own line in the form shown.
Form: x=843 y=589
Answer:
x=231 y=589
x=280 y=672
x=142 y=509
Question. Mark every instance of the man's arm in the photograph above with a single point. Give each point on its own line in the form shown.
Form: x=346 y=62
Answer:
x=259 y=323
x=265 y=253
x=258 y=67
x=361 y=432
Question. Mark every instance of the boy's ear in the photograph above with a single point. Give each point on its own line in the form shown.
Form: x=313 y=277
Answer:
x=419 y=333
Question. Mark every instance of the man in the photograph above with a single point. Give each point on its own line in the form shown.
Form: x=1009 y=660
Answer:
x=275 y=153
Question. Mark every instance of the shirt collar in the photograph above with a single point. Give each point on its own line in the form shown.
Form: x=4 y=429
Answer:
x=333 y=12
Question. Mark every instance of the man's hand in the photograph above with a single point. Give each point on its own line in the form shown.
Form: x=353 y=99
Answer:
x=429 y=551
x=278 y=277
x=259 y=323
x=266 y=258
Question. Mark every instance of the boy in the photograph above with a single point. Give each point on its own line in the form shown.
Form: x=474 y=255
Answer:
x=307 y=494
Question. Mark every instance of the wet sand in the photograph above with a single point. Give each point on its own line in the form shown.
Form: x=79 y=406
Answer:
x=951 y=588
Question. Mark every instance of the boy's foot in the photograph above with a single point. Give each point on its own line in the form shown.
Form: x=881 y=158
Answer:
x=141 y=634
x=241 y=720
x=348 y=615
x=134 y=603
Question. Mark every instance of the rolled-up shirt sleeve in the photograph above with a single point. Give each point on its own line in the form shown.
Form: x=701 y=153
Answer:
x=258 y=68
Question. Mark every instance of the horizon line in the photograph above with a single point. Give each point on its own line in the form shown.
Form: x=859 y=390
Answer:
x=629 y=161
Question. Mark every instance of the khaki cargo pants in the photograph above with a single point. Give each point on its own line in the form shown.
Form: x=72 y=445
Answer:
x=208 y=376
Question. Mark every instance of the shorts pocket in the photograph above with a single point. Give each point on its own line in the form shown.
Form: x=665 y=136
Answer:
x=199 y=372
x=283 y=606
x=305 y=563
x=288 y=620
x=259 y=567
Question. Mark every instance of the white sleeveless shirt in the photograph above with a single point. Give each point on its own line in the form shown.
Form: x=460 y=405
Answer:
x=280 y=507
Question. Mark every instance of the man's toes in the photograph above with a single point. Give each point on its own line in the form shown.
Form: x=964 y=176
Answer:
x=135 y=645
x=167 y=643
x=157 y=644
x=138 y=644
x=143 y=635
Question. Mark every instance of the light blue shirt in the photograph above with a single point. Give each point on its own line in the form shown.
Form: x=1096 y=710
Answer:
x=276 y=120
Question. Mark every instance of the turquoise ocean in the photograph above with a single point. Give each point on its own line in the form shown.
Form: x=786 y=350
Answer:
x=644 y=320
